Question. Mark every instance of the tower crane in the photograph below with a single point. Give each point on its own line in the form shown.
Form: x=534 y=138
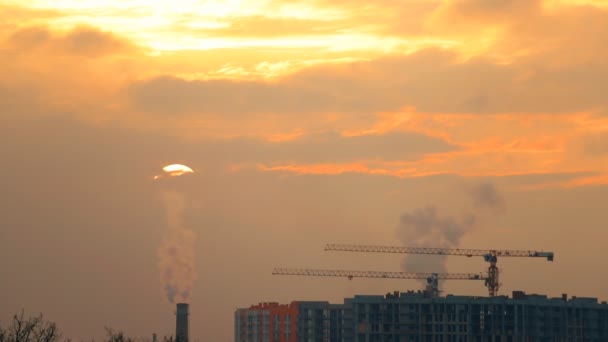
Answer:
x=431 y=278
x=489 y=255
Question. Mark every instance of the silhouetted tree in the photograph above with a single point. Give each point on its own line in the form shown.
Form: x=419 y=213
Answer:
x=36 y=329
x=29 y=329
x=117 y=336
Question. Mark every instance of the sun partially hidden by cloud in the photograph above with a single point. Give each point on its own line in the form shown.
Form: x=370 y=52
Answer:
x=348 y=95
x=174 y=170
x=495 y=80
x=177 y=169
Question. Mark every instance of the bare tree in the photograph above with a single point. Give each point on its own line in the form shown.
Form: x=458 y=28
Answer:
x=36 y=329
x=117 y=336
x=29 y=329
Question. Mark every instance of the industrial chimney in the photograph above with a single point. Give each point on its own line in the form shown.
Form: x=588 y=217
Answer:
x=181 y=323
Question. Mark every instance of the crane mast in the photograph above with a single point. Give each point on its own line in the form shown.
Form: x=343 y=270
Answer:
x=489 y=255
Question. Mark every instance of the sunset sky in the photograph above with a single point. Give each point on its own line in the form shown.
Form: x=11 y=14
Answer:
x=307 y=122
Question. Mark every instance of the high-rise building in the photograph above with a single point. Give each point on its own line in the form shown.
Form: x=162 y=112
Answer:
x=417 y=317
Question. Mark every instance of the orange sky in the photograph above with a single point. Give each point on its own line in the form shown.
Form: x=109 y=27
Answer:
x=297 y=114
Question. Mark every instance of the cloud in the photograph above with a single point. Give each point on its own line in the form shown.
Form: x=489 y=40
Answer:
x=77 y=72
x=416 y=145
x=544 y=79
x=30 y=37
x=532 y=31
x=529 y=180
x=401 y=18
x=89 y=41
x=596 y=145
x=308 y=147
x=260 y=26
x=526 y=66
x=12 y=16
x=79 y=41
x=332 y=99
x=331 y=148
x=174 y=96
x=487 y=11
x=433 y=81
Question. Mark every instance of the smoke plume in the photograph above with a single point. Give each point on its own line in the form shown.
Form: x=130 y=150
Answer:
x=486 y=196
x=425 y=227
x=176 y=252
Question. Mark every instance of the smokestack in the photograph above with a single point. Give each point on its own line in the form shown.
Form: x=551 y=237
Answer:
x=181 y=323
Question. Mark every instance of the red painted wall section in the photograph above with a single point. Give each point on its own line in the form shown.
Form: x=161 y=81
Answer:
x=278 y=314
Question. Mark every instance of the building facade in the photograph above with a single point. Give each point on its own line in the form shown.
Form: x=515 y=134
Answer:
x=417 y=317
x=266 y=322
x=295 y=322
x=320 y=321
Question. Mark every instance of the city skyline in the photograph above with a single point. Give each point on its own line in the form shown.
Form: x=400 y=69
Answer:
x=442 y=123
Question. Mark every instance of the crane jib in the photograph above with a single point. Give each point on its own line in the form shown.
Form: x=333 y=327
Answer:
x=439 y=251
x=489 y=255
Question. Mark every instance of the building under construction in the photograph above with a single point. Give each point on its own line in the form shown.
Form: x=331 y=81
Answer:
x=418 y=316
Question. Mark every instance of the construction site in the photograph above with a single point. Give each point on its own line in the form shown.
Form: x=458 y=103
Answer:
x=425 y=315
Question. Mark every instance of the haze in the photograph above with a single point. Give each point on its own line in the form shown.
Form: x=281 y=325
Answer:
x=465 y=123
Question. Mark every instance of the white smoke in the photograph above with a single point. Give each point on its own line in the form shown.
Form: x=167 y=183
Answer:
x=176 y=251
x=425 y=227
x=486 y=196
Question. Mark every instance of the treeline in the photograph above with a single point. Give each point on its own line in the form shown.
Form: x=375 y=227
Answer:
x=37 y=329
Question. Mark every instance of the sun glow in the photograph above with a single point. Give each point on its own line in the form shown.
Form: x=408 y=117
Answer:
x=174 y=170
x=177 y=169
x=205 y=25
